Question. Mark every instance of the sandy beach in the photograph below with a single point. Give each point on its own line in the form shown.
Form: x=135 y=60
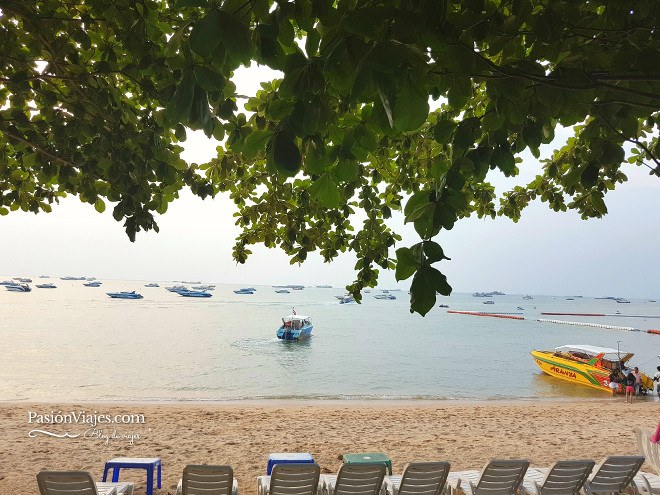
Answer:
x=243 y=434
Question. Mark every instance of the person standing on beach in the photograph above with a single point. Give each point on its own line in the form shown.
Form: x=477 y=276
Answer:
x=614 y=381
x=638 y=380
x=630 y=386
x=656 y=378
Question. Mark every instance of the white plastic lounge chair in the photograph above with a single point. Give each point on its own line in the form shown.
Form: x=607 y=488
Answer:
x=562 y=478
x=419 y=478
x=290 y=479
x=498 y=477
x=614 y=474
x=648 y=483
x=207 y=480
x=78 y=483
x=647 y=448
x=355 y=479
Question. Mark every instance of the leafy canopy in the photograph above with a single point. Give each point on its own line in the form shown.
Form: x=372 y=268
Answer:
x=97 y=94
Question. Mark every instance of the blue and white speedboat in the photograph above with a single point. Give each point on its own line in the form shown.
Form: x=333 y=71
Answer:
x=125 y=295
x=18 y=288
x=177 y=288
x=295 y=327
x=385 y=295
x=193 y=293
x=244 y=291
x=93 y=284
x=46 y=286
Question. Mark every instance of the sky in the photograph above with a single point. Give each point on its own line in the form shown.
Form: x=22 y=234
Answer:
x=544 y=253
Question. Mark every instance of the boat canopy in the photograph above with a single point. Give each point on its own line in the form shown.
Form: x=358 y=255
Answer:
x=297 y=318
x=592 y=350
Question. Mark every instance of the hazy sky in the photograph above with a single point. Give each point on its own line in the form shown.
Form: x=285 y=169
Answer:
x=545 y=253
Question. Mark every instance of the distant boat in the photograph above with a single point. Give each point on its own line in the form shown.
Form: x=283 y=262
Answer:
x=489 y=302
x=251 y=289
x=282 y=291
x=570 y=299
x=191 y=283
x=621 y=300
x=18 y=288
x=194 y=293
x=72 y=278
x=177 y=288
x=93 y=284
x=152 y=284
x=7 y=282
x=527 y=297
x=324 y=286
x=23 y=280
x=297 y=287
x=520 y=308
x=295 y=327
x=348 y=298
x=243 y=291
x=46 y=286
x=204 y=287
x=387 y=295
x=125 y=295
x=443 y=305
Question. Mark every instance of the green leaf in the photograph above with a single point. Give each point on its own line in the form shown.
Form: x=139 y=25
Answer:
x=235 y=37
x=325 y=189
x=181 y=104
x=191 y=3
x=416 y=206
x=433 y=252
x=422 y=290
x=255 y=142
x=316 y=160
x=99 y=205
x=285 y=154
x=205 y=35
x=407 y=263
x=598 y=203
x=505 y=161
x=589 y=176
x=411 y=108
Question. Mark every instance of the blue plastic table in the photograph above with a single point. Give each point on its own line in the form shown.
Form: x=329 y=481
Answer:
x=134 y=463
x=369 y=458
x=288 y=458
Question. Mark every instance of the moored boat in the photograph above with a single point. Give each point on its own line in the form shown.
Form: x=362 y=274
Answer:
x=152 y=284
x=244 y=291
x=177 y=288
x=282 y=291
x=587 y=365
x=295 y=327
x=18 y=288
x=93 y=284
x=348 y=298
x=46 y=286
x=125 y=295
x=194 y=293
x=387 y=295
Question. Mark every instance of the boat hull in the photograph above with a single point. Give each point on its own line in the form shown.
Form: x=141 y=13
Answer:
x=573 y=371
x=291 y=334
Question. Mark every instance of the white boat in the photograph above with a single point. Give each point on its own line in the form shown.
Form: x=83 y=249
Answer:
x=282 y=291
x=92 y=284
x=295 y=327
x=490 y=301
x=176 y=288
x=18 y=288
x=152 y=284
x=46 y=286
x=244 y=291
x=385 y=296
x=346 y=299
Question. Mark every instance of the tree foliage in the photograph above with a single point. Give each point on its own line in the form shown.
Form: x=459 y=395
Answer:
x=97 y=94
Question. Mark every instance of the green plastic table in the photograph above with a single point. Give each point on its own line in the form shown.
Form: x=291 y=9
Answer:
x=369 y=458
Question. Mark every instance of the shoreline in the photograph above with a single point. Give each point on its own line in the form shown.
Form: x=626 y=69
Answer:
x=319 y=402
x=242 y=435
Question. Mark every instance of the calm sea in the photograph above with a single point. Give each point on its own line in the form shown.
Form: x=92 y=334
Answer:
x=75 y=343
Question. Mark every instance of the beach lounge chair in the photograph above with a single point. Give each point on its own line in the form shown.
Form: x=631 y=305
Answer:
x=207 y=480
x=419 y=478
x=648 y=483
x=290 y=479
x=562 y=478
x=498 y=477
x=355 y=479
x=614 y=474
x=78 y=483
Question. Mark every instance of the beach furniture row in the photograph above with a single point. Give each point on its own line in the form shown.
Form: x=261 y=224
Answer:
x=614 y=474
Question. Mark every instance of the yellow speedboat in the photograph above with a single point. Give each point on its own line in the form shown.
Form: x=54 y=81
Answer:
x=587 y=365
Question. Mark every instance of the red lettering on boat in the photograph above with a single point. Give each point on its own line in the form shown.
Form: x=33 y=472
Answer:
x=560 y=371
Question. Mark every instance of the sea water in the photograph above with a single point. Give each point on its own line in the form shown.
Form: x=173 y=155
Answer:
x=75 y=343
